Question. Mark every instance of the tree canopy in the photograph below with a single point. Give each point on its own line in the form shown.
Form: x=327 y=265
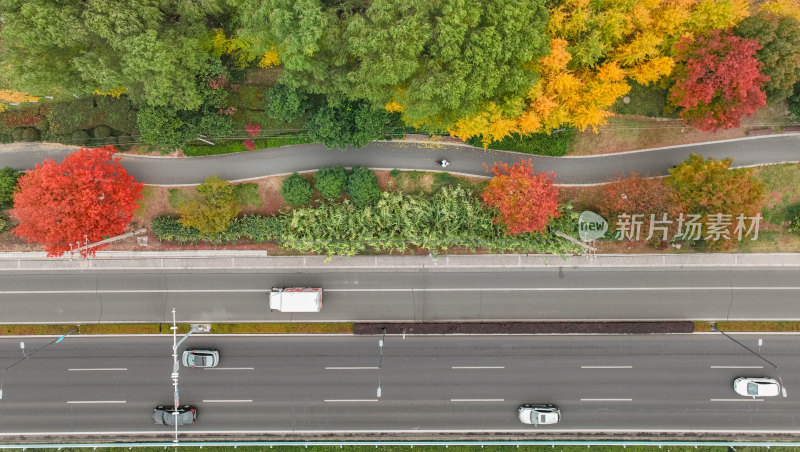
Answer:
x=88 y=196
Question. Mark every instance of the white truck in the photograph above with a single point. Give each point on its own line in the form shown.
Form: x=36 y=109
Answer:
x=295 y=299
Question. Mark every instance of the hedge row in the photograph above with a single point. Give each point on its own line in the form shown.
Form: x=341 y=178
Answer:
x=95 y=120
x=556 y=144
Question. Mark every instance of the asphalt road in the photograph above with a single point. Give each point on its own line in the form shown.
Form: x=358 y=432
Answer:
x=421 y=156
x=305 y=384
x=578 y=293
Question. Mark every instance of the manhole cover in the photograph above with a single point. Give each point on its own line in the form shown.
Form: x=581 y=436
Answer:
x=626 y=100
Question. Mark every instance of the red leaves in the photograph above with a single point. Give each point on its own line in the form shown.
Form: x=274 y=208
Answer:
x=526 y=201
x=718 y=80
x=249 y=144
x=253 y=129
x=86 y=197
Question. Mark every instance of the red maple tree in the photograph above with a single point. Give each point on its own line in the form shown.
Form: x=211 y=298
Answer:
x=253 y=129
x=718 y=80
x=527 y=201
x=87 y=197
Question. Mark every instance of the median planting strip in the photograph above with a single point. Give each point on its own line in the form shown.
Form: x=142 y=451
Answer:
x=437 y=328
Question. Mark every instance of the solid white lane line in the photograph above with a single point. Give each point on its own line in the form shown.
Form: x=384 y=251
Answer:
x=349 y=400
x=737 y=367
x=352 y=368
x=95 y=401
x=477 y=400
x=228 y=401
x=606 y=400
x=98 y=369
x=606 y=367
x=737 y=400
x=478 y=367
x=228 y=368
x=451 y=289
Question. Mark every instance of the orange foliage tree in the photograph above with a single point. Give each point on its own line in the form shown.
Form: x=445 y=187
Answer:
x=526 y=201
x=88 y=196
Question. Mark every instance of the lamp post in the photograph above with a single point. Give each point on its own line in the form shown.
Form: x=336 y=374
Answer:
x=176 y=366
x=760 y=342
x=22 y=346
x=380 y=360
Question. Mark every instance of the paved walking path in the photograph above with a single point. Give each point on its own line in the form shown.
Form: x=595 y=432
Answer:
x=420 y=155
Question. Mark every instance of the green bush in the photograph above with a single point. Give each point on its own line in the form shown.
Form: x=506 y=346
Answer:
x=255 y=227
x=66 y=117
x=395 y=173
x=8 y=181
x=247 y=194
x=215 y=125
x=331 y=182
x=793 y=213
x=163 y=126
x=30 y=134
x=285 y=103
x=79 y=137
x=556 y=144
x=794 y=101
x=117 y=113
x=362 y=186
x=16 y=134
x=232 y=146
x=296 y=190
x=101 y=132
x=5 y=224
x=110 y=141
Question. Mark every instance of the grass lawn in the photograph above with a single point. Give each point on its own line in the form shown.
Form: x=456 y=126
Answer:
x=767 y=327
x=644 y=101
x=230 y=147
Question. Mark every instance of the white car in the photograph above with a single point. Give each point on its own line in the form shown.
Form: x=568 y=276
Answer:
x=539 y=414
x=200 y=358
x=756 y=386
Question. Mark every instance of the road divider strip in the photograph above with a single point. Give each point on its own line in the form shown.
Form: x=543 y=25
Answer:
x=606 y=400
x=99 y=369
x=477 y=367
x=228 y=368
x=229 y=401
x=94 y=401
x=477 y=400
x=606 y=367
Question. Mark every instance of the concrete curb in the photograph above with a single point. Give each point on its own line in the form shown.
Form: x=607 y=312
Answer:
x=259 y=260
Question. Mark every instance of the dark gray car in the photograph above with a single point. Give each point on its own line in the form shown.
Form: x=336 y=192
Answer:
x=164 y=415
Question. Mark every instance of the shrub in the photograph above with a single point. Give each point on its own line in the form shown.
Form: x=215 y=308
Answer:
x=8 y=180
x=285 y=103
x=247 y=194
x=125 y=139
x=395 y=173
x=556 y=144
x=794 y=101
x=16 y=134
x=362 y=186
x=30 y=134
x=794 y=225
x=66 y=117
x=79 y=137
x=331 y=182
x=110 y=141
x=117 y=113
x=296 y=190
x=101 y=132
x=5 y=224
x=215 y=125
x=214 y=208
x=163 y=126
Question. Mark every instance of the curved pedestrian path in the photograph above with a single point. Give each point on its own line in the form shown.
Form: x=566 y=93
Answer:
x=420 y=155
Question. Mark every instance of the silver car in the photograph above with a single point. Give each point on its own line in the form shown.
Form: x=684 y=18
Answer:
x=200 y=358
x=165 y=416
x=756 y=386
x=539 y=414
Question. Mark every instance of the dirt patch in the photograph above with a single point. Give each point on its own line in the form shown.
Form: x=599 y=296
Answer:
x=525 y=328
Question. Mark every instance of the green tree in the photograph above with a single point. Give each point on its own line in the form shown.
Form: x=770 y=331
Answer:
x=214 y=208
x=285 y=102
x=331 y=182
x=362 y=186
x=164 y=126
x=296 y=190
x=349 y=124
x=439 y=60
x=8 y=181
x=779 y=38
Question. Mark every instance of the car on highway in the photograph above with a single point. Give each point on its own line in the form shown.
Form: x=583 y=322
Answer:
x=200 y=358
x=165 y=415
x=756 y=386
x=539 y=414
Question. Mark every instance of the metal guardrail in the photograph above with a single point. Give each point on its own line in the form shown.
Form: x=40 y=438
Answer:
x=410 y=444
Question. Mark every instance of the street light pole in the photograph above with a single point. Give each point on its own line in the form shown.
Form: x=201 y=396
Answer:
x=176 y=367
x=22 y=346
x=714 y=327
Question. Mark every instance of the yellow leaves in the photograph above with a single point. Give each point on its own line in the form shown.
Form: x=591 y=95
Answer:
x=610 y=72
x=640 y=48
x=271 y=58
x=783 y=8
x=564 y=84
x=16 y=96
x=558 y=58
x=489 y=123
x=651 y=71
x=115 y=93
x=529 y=122
x=392 y=107
x=717 y=14
x=219 y=44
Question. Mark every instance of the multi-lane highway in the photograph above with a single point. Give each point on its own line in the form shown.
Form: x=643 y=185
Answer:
x=427 y=294
x=678 y=383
